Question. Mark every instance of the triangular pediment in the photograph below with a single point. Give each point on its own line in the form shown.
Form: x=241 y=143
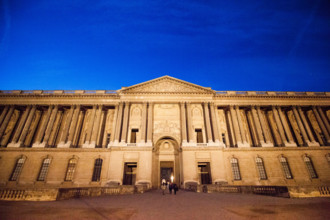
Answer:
x=167 y=84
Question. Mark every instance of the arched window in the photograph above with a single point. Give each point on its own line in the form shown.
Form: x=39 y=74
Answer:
x=310 y=167
x=44 y=169
x=17 y=170
x=97 y=170
x=235 y=169
x=261 y=168
x=70 y=170
x=286 y=168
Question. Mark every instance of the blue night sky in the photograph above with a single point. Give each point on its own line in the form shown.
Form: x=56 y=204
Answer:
x=227 y=45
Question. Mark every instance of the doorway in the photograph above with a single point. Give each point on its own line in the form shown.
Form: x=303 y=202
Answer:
x=204 y=173
x=166 y=162
x=166 y=170
x=129 y=174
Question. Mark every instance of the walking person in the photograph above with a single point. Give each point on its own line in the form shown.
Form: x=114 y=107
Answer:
x=175 y=188
x=170 y=188
x=163 y=188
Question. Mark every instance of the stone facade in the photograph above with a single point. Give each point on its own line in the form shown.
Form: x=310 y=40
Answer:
x=165 y=127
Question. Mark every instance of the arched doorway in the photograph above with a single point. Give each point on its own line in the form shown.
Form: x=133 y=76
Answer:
x=166 y=162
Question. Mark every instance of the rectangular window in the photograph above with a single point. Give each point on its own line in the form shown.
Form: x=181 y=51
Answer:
x=129 y=173
x=17 y=170
x=108 y=140
x=204 y=173
x=133 y=135
x=199 y=135
x=97 y=170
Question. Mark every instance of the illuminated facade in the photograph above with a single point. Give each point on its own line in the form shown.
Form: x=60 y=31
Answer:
x=165 y=127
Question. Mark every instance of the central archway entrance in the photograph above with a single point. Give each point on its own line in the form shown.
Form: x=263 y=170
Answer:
x=166 y=162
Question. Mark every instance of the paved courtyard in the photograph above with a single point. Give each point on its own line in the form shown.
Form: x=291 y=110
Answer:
x=184 y=205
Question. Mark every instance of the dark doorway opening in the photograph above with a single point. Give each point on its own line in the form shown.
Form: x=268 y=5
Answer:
x=204 y=173
x=129 y=173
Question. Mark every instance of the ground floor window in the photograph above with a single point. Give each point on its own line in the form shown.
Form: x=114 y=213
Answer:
x=310 y=167
x=71 y=168
x=286 y=168
x=204 y=173
x=261 y=168
x=17 y=170
x=97 y=170
x=44 y=169
x=235 y=169
x=129 y=173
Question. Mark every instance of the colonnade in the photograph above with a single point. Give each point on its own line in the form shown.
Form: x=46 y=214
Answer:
x=102 y=126
x=269 y=126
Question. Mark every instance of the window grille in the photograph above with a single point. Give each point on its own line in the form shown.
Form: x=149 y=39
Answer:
x=235 y=169
x=286 y=168
x=17 y=170
x=310 y=167
x=44 y=169
x=97 y=170
x=70 y=171
x=261 y=168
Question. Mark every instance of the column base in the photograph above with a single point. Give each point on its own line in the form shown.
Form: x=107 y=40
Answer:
x=88 y=145
x=13 y=144
x=243 y=145
x=39 y=145
x=290 y=144
x=64 y=145
x=267 y=144
x=313 y=144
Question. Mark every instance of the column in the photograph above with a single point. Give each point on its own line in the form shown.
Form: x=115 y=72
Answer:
x=27 y=126
x=150 y=123
x=257 y=125
x=144 y=122
x=324 y=118
x=264 y=127
x=125 y=123
x=300 y=125
x=214 y=124
x=235 y=125
x=322 y=126
x=286 y=127
x=114 y=121
x=241 y=127
x=118 y=123
x=3 y=113
x=20 y=125
x=6 y=120
x=207 y=122
x=183 y=123
x=90 y=126
x=50 y=126
x=189 y=124
x=232 y=140
x=73 y=125
x=308 y=129
x=279 y=125
x=66 y=128
x=96 y=126
x=43 y=127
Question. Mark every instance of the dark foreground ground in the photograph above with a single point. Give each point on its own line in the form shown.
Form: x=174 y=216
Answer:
x=184 y=205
